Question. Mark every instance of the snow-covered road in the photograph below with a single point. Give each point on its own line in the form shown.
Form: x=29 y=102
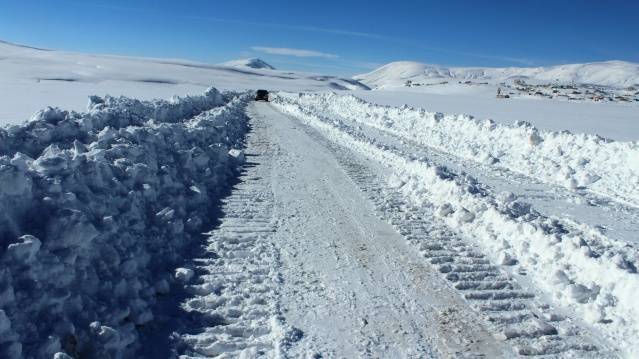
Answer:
x=347 y=283
x=350 y=282
x=339 y=230
x=349 y=268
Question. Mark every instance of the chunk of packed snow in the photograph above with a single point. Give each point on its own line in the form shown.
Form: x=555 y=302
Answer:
x=184 y=274
x=237 y=154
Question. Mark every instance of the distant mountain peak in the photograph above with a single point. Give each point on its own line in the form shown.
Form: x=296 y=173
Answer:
x=252 y=62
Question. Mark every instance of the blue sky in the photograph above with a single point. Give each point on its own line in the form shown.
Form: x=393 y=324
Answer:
x=332 y=36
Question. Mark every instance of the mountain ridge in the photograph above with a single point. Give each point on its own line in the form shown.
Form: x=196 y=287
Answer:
x=614 y=73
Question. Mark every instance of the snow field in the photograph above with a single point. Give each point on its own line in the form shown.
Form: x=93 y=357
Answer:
x=95 y=210
x=31 y=79
x=578 y=268
x=574 y=161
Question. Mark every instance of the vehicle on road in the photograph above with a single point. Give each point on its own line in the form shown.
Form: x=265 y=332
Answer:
x=261 y=95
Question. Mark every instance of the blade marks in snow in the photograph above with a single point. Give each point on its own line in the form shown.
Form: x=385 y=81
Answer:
x=236 y=294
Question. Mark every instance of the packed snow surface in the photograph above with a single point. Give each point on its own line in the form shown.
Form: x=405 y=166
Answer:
x=252 y=62
x=96 y=210
x=610 y=73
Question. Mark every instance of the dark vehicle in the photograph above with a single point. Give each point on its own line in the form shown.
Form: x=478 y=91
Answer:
x=262 y=95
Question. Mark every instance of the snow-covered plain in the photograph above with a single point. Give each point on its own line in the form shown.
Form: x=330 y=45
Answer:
x=610 y=120
x=31 y=79
x=443 y=90
x=319 y=225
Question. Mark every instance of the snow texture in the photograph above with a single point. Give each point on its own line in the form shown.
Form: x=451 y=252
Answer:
x=95 y=211
x=578 y=268
x=617 y=121
x=575 y=161
x=31 y=79
x=618 y=74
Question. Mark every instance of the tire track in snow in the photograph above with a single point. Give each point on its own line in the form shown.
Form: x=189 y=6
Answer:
x=350 y=282
x=517 y=316
x=235 y=293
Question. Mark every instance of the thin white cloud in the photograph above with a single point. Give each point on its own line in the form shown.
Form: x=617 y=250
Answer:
x=397 y=40
x=293 y=52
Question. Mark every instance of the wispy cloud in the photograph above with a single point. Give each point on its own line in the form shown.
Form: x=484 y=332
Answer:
x=293 y=52
x=326 y=30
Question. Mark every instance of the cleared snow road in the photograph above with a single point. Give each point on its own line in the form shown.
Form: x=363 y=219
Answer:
x=300 y=266
x=350 y=283
x=306 y=263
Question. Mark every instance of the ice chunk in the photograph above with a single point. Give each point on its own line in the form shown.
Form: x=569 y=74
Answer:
x=238 y=155
x=184 y=274
x=26 y=250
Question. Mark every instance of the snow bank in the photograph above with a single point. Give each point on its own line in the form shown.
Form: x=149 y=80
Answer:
x=95 y=211
x=575 y=161
x=579 y=268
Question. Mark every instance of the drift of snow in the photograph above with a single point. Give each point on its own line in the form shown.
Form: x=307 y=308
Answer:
x=579 y=268
x=618 y=74
x=95 y=212
x=573 y=161
x=252 y=62
x=610 y=120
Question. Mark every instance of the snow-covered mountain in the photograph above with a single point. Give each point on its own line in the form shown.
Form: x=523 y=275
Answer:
x=618 y=74
x=253 y=63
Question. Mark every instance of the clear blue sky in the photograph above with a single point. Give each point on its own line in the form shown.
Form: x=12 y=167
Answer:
x=342 y=37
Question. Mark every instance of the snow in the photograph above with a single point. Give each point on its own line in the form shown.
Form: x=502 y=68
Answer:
x=573 y=161
x=442 y=89
x=347 y=280
x=316 y=225
x=238 y=273
x=619 y=74
x=610 y=120
x=578 y=268
x=96 y=209
x=31 y=79
x=252 y=62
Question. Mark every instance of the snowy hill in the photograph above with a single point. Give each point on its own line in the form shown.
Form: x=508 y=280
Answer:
x=33 y=78
x=618 y=74
x=253 y=63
